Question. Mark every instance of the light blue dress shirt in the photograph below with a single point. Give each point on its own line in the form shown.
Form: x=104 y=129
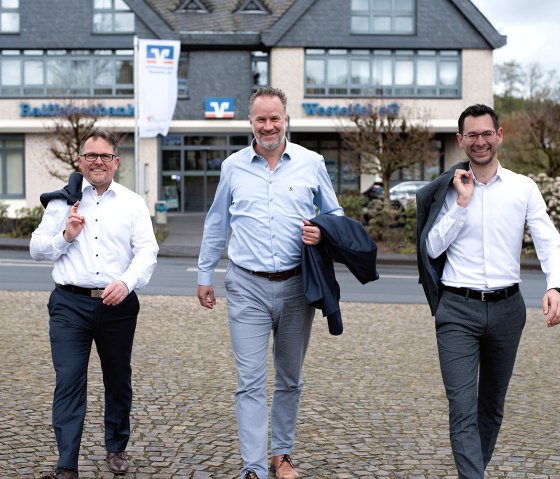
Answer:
x=265 y=210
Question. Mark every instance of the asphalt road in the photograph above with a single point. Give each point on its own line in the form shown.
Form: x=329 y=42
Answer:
x=178 y=277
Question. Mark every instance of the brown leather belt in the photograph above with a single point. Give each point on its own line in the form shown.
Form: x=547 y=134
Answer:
x=91 y=292
x=278 y=276
x=486 y=296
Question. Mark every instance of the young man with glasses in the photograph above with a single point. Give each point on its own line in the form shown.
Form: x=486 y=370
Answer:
x=470 y=224
x=103 y=248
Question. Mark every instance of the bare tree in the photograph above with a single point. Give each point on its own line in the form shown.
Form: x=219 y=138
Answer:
x=532 y=124
x=69 y=127
x=388 y=140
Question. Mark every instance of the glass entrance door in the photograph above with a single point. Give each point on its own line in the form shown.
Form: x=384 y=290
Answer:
x=190 y=169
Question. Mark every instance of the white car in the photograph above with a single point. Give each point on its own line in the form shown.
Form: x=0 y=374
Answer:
x=405 y=192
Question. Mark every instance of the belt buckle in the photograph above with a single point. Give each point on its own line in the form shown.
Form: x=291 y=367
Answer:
x=96 y=293
x=483 y=295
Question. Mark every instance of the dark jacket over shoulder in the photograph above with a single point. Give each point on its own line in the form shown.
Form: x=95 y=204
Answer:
x=72 y=192
x=343 y=240
x=429 y=201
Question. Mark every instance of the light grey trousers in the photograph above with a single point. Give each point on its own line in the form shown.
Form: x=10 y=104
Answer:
x=257 y=307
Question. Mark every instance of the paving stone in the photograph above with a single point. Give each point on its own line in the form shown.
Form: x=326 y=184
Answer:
x=373 y=405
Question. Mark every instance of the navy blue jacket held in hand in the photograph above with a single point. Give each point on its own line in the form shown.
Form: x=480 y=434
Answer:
x=345 y=241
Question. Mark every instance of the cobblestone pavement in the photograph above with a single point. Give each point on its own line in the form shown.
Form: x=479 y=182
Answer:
x=373 y=404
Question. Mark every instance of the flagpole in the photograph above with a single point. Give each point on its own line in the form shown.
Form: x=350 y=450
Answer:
x=136 y=126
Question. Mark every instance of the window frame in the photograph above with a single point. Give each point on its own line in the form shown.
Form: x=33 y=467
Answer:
x=374 y=13
x=101 y=14
x=4 y=180
x=6 y=11
x=388 y=64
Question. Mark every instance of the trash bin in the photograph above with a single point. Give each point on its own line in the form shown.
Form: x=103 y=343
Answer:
x=161 y=213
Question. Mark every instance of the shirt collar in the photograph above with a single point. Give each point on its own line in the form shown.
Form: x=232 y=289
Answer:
x=496 y=177
x=87 y=184
x=285 y=154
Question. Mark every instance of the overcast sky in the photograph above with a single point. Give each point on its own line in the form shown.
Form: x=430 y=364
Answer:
x=532 y=29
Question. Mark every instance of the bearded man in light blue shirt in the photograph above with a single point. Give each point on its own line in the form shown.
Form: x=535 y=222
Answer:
x=266 y=193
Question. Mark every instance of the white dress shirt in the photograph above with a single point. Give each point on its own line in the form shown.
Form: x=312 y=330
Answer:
x=117 y=241
x=484 y=240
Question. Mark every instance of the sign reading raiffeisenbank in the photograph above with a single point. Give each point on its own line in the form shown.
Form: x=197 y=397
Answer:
x=57 y=109
x=315 y=109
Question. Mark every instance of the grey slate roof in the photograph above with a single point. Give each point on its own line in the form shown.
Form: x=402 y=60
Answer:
x=222 y=17
x=223 y=25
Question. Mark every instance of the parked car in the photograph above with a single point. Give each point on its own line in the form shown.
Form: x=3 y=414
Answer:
x=405 y=192
x=374 y=192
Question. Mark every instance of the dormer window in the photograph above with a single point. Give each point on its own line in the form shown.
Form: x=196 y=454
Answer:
x=383 y=17
x=9 y=16
x=112 y=16
x=252 y=6
x=195 y=6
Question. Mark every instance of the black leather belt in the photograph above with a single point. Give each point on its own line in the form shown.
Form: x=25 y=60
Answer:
x=91 y=292
x=487 y=296
x=278 y=276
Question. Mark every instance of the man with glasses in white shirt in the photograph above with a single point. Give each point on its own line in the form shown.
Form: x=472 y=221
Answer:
x=470 y=224
x=104 y=248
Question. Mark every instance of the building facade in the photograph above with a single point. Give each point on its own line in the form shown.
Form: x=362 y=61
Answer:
x=331 y=57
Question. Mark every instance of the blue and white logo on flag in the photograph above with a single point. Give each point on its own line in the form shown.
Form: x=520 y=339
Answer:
x=159 y=54
x=157 y=85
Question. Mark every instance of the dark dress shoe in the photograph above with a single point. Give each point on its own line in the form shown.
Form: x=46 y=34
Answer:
x=117 y=462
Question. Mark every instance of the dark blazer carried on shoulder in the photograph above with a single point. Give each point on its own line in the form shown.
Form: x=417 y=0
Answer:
x=429 y=201
x=72 y=192
x=346 y=241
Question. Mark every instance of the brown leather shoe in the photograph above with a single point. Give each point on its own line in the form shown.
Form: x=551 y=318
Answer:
x=283 y=468
x=117 y=462
x=62 y=474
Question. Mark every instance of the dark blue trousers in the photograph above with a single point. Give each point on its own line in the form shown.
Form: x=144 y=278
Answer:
x=75 y=322
x=477 y=345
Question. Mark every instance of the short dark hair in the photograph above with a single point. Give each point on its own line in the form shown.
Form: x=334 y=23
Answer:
x=478 y=110
x=269 y=91
x=102 y=133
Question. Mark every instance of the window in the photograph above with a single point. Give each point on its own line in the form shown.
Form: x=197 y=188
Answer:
x=11 y=167
x=66 y=72
x=382 y=73
x=252 y=6
x=182 y=70
x=192 y=6
x=384 y=17
x=190 y=168
x=259 y=69
x=112 y=16
x=9 y=16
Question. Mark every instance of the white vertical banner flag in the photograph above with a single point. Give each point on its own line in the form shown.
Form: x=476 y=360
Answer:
x=157 y=85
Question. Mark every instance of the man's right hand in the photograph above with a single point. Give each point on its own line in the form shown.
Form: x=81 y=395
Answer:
x=74 y=223
x=206 y=296
x=464 y=185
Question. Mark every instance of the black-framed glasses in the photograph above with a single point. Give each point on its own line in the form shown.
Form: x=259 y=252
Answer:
x=105 y=157
x=486 y=135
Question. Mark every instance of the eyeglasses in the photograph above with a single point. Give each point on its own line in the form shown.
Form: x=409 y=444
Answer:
x=105 y=157
x=486 y=135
